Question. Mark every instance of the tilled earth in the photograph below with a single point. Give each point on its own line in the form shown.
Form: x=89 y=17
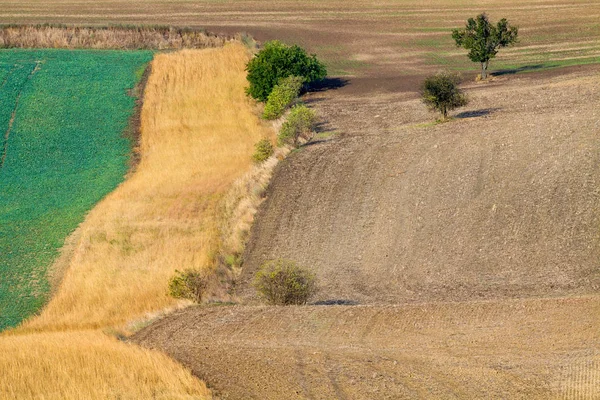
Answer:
x=471 y=248
x=511 y=349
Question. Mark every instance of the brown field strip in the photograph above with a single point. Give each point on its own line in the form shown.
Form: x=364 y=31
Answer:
x=375 y=39
x=471 y=247
x=517 y=349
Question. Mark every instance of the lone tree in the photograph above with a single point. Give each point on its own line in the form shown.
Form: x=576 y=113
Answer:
x=441 y=92
x=483 y=39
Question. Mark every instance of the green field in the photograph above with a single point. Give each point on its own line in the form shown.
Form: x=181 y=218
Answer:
x=62 y=118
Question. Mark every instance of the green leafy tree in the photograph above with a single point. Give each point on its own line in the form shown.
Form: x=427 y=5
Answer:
x=276 y=61
x=300 y=123
x=483 y=39
x=441 y=92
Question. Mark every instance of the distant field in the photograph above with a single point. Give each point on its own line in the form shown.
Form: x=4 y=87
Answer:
x=367 y=39
x=62 y=119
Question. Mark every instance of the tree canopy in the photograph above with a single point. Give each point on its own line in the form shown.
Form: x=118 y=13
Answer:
x=483 y=39
x=441 y=92
x=276 y=61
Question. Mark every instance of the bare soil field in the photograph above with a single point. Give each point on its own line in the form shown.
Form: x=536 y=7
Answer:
x=471 y=248
x=518 y=349
x=382 y=39
x=501 y=202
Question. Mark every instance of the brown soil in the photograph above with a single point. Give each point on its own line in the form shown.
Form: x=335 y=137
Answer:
x=472 y=247
x=521 y=349
x=501 y=202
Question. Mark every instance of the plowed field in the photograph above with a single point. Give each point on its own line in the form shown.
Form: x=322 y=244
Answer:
x=470 y=247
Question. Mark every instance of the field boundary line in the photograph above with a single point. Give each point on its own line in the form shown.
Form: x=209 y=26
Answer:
x=14 y=113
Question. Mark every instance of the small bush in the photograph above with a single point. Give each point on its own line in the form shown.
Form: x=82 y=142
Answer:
x=188 y=284
x=263 y=150
x=282 y=96
x=300 y=123
x=276 y=61
x=441 y=92
x=282 y=282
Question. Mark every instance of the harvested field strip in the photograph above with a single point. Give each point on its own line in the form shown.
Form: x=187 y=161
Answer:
x=113 y=37
x=89 y=365
x=66 y=150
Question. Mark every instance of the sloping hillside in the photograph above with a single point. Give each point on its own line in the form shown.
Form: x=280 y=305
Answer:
x=502 y=202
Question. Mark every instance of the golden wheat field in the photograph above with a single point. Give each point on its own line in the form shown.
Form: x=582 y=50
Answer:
x=198 y=130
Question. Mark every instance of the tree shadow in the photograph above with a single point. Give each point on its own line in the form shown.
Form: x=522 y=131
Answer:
x=476 y=113
x=328 y=84
x=525 y=68
x=336 y=302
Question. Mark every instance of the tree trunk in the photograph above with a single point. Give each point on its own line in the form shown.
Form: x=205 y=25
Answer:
x=484 y=66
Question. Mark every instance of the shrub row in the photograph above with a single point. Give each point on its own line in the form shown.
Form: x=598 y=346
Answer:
x=282 y=96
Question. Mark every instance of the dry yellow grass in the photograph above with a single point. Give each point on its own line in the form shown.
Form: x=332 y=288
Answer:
x=65 y=37
x=198 y=132
x=89 y=365
x=197 y=135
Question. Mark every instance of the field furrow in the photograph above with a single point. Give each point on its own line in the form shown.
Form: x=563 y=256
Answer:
x=18 y=92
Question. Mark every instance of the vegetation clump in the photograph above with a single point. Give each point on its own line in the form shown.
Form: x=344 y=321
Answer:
x=299 y=124
x=441 y=92
x=483 y=39
x=189 y=284
x=276 y=61
x=283 y=95
x=283 y=282
x=263 y=150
